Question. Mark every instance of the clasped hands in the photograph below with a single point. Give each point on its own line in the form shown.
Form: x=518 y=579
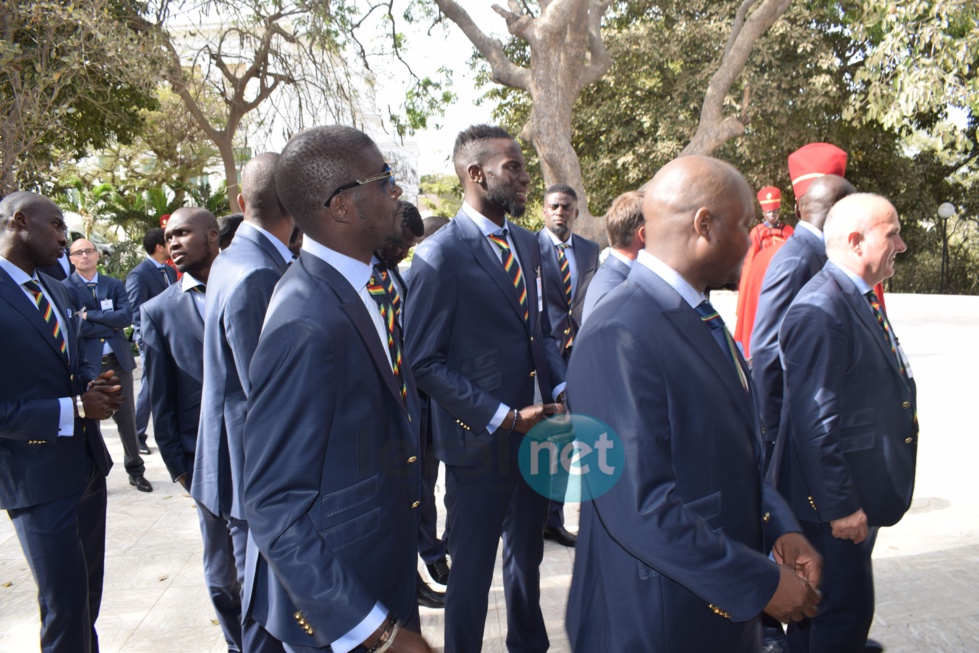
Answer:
x=801 y=569
x=103 y=396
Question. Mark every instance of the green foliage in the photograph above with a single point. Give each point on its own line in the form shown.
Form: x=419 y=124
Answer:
x=440 y=194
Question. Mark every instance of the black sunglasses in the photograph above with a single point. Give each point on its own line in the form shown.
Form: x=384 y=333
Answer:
x=387 y=174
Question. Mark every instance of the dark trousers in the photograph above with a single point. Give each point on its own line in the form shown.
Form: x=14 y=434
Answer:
x=484 y=502
x=430 y=547
x=64 y=543
x=254 y=638
x=125 y=417
x=143 y=406
x=847 y=608
x=221 y=575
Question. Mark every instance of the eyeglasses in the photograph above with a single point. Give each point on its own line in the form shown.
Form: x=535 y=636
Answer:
x=83 y=252
x=387 y=174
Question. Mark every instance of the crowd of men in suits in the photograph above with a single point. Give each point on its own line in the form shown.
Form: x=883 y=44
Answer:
x=306 y=400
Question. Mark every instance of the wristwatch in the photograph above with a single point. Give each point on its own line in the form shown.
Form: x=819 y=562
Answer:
x=80 y=406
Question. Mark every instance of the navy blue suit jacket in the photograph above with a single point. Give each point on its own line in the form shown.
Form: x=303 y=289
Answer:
x=173 y=355
x=239 y=287
x=37 y=466
x=145 y=282
x=849 y=434
x=792 y=266
x=609 y=276
x=585 y=252
x=468 y=343
x=331 y=476
x=688 y=525
x=101 y=326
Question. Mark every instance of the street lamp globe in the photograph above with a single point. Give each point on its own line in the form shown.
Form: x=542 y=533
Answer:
x=946 y=210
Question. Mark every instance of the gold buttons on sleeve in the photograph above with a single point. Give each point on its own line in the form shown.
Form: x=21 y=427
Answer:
x=812 y=503
x=716 y=610
x=303 y=623
x=766 y=518
x=463 y=424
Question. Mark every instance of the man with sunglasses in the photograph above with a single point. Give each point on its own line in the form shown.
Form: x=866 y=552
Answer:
x=239 y=287
x=479 y=341
x=103 y=305
x=331 y=466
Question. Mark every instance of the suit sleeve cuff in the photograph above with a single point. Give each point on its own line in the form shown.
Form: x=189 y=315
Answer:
x=498 y=417
x=558 y=389
x=361 y=631
x=66 y=420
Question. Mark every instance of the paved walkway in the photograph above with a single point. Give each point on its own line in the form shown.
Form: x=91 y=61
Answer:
x=927 y=567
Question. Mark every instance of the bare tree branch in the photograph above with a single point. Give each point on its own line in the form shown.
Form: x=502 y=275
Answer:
x=504 y=70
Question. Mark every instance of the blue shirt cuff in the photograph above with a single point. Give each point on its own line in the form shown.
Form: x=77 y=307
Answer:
x=498 y=417
x=558 y=390
x=66 y=421
x=361 y=631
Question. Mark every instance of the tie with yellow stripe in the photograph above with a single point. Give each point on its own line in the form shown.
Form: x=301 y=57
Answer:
x=47 y=312
x=380 y=297
x=711 y=318
x=512 y=268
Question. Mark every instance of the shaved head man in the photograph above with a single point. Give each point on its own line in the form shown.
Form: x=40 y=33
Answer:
x=847 y=444
x=673 y=557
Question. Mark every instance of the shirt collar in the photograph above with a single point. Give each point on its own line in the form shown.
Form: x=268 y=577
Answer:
x=280 y=247
x=188 y=282
x=154 y=262
x=862 y=286
x=355 y=272
x=19 y=276
x=622 y=257
x=487 y=226
x=94 y=279
x=811 y=229
x=672 y=277
x=556 y=240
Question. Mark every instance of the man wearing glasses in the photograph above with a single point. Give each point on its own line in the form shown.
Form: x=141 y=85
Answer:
x=103 y=305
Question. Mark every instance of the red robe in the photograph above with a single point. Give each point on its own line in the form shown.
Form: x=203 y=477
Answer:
x=765 y=241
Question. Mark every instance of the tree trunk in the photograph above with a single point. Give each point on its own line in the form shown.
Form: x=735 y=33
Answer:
x=227 y=150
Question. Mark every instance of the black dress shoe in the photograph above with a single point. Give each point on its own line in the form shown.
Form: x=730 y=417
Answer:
x=145 y=449
x=873 y=646
x=439 y=570
x=560 y=535
x=140 y=483
x=427 y=597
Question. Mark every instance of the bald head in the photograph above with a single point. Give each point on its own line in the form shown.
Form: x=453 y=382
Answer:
x=863 y=234
x=823 y=193
x=85 y=257
x=33 y=231
x=697 y=213
x=259 y=200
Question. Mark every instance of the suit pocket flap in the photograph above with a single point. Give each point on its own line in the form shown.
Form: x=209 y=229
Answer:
x=348 y=498
x=707 y=508
x=857 y=418
x=353 y=531
x=857 y=441
x=487 y=360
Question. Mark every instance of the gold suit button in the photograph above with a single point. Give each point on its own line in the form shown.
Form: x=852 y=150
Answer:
x=101 y=339
x=906 y=404
x=416 y=504
x=71 y=377
x=767 y=518
x=531 y=338
x=533 y=373
x=567 y=331
x=412 y=459
x=908 y=440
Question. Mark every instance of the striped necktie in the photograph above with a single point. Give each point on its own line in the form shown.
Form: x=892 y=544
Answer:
x=380 y=296
x=387 y=280
x=562 y=260
x=512 y=268
x=885 y=326
x=92 y=287
x=166 y=279
x=711 y=318
x=47 y=312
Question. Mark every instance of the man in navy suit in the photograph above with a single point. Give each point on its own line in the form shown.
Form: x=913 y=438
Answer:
x=848 y=439
x=331 y=471
x=173 y=340
x=102 y=305
x=674 y=556
x=568 y=264
x=145 y=281
x=796 y=262
x=239 y=288
x=53 y=461
x=478 y=340
x=626 y=236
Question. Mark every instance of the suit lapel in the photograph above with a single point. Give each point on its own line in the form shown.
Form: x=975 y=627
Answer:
x=66 y=317
x=187 y=303
x=485 y=254
x=266 y=246
x=865 y=316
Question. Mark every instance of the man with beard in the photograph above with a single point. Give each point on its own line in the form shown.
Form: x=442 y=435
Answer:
x=173 y=345
x=239 y=288
x=674 y=555
x=478 y=340
x=53 y=461
x=331 y=474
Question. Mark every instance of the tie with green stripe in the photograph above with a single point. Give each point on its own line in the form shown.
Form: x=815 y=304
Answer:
x=47 y=312
x=380 y=297
x=512 y=268
x=711 y=318
x=562 y=260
